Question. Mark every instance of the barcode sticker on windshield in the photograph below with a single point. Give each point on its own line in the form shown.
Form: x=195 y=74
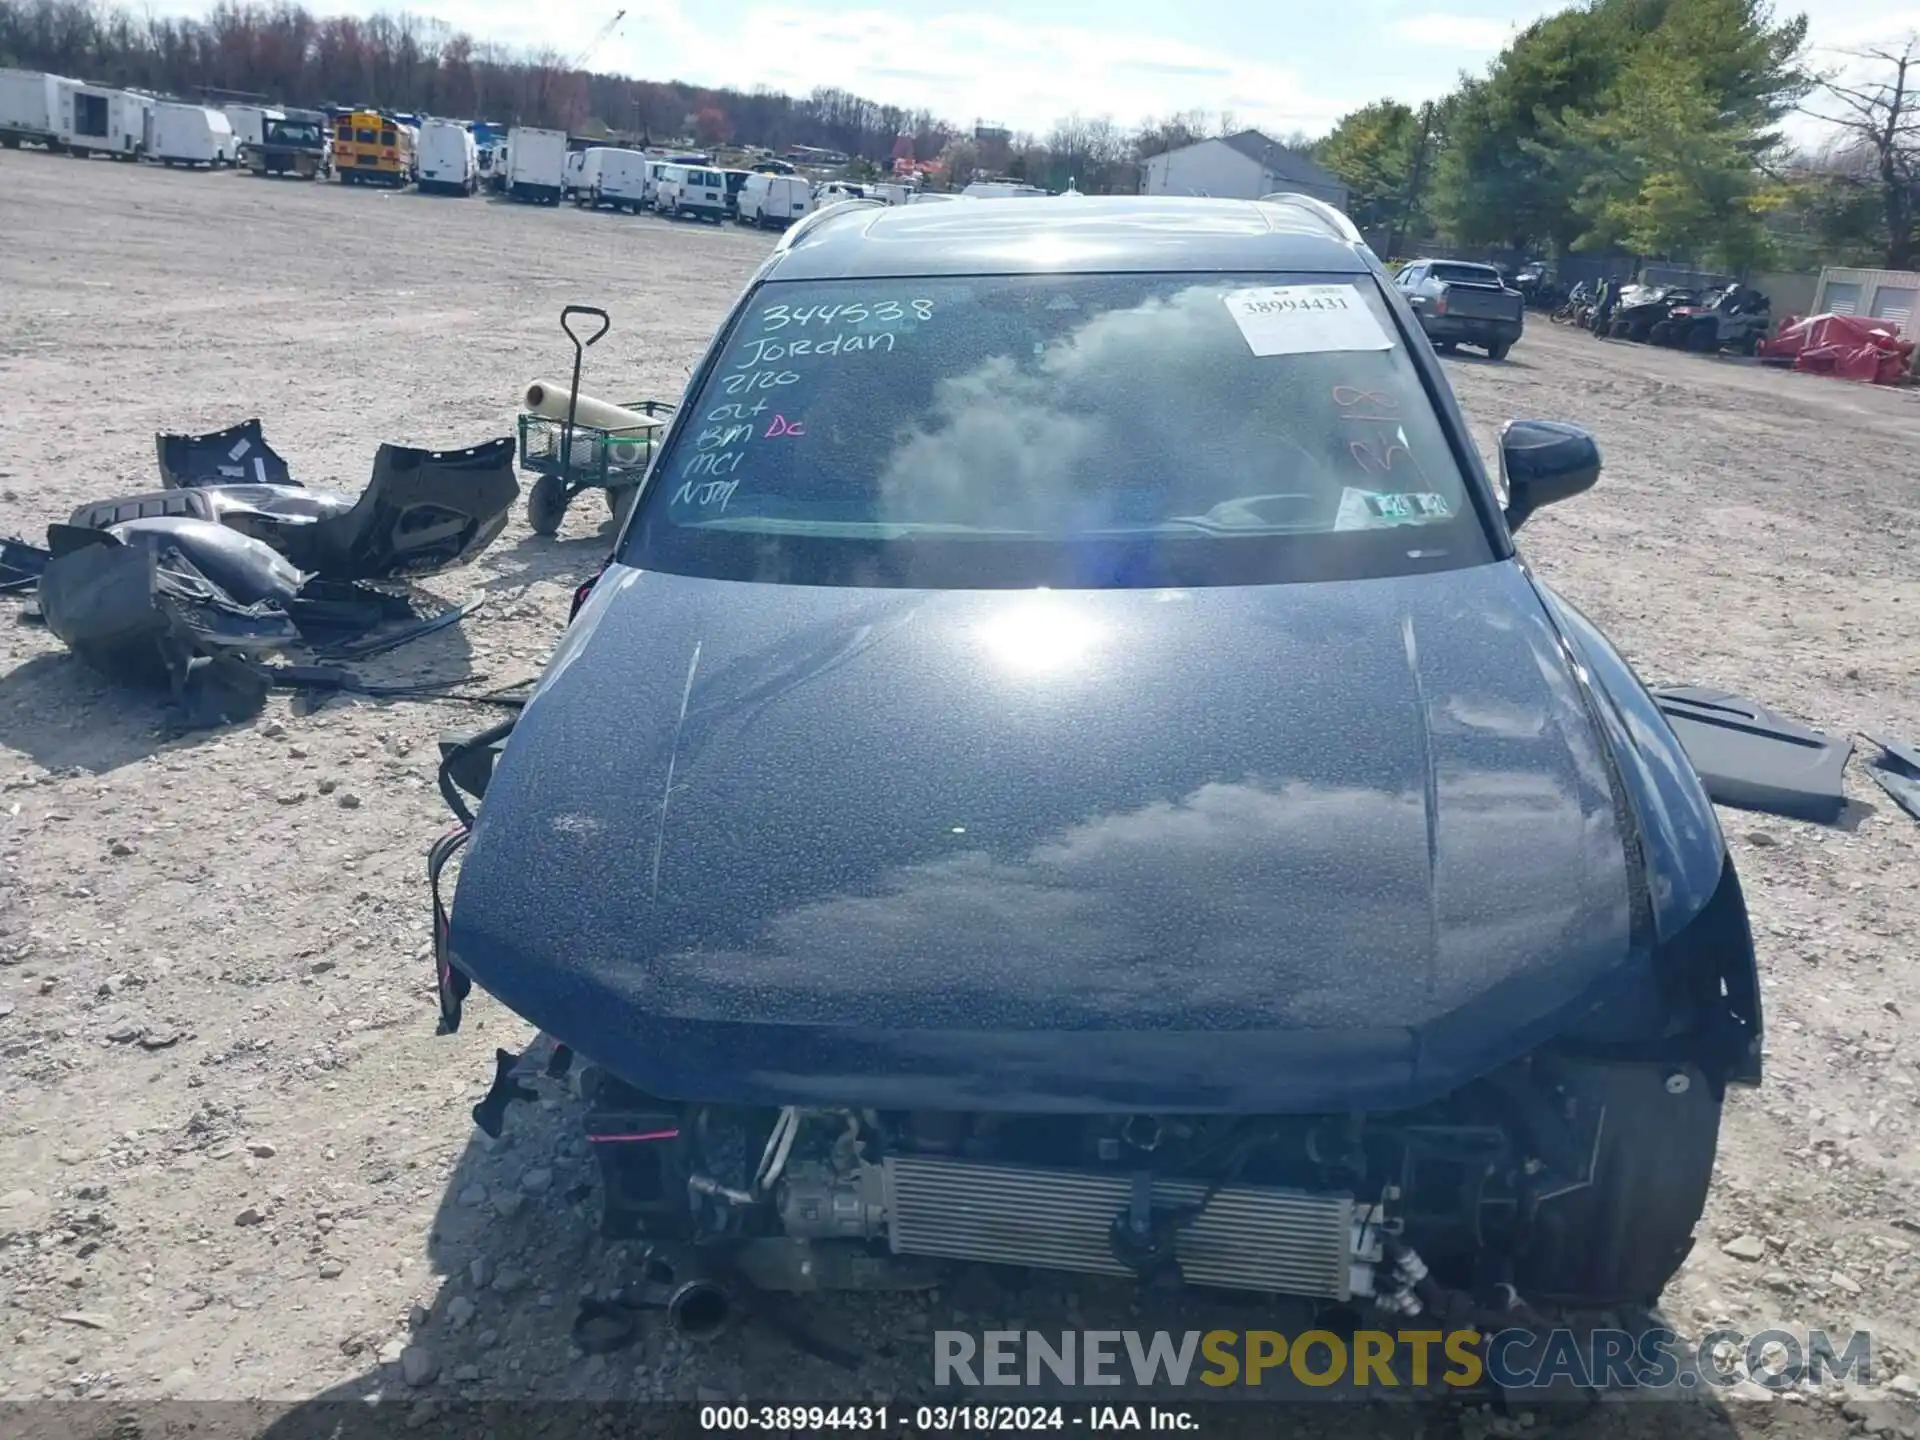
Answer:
x=1305 y=319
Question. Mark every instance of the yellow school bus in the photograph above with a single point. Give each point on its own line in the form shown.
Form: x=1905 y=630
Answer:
x=371 y=148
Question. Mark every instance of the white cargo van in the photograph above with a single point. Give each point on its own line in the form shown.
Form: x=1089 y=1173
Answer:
x=191 y=135
x=771 y=201
x=448 y=158
x=691 y=190
x=587 y=184
x=29 y=108
x=536 y=164
x=95 y=120
x=623 y=180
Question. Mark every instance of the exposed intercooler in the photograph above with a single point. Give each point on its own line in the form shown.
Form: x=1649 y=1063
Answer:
x=1287 y=1242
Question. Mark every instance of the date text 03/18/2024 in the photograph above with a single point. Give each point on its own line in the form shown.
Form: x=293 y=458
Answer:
x=943 y=1419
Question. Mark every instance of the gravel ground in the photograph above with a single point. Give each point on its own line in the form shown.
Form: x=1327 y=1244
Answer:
x=238 y=1163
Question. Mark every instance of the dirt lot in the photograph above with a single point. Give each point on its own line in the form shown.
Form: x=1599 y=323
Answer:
x=238 y=1163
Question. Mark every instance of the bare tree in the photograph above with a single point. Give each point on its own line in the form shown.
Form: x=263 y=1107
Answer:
x=1880 y=117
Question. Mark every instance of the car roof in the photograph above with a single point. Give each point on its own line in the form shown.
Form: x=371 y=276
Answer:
x=1092 y=233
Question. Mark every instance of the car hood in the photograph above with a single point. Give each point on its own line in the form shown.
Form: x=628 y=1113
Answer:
x=1279 y=847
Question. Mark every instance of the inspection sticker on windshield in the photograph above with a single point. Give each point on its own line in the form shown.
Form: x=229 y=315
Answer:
x=1305 y=319
x=1373 y=509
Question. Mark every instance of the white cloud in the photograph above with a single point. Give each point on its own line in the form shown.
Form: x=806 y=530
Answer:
x=1457 y=32
x=973 y=65
x=962 y=66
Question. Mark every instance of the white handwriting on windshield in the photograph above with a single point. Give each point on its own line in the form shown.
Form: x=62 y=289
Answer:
x=761 y=350
x=884 y=312
x=714 y=494
x=758 y=380
x=718 y=437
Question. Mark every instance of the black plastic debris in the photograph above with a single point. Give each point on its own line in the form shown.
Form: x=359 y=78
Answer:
x=1898 y=773
x=468 y=764
x=147 y=616
x=238 y=453
x=423 y=511
x=1753 y=759
x=361 y=649
x=249 y=572
x=20 y=565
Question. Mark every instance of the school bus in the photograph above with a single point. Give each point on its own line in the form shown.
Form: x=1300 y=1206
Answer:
x=373 y=148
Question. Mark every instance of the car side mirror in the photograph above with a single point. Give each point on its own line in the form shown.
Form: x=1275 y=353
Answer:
x=1542 y=462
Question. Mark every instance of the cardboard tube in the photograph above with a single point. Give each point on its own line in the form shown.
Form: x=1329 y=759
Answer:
x=545 y=398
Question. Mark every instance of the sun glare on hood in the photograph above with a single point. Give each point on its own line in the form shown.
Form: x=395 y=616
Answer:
x=1043 y=635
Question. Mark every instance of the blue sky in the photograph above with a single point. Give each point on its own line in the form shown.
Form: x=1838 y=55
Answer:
x=1281 y=65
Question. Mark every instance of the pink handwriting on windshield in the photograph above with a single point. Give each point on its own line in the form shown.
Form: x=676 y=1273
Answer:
x=780 y=425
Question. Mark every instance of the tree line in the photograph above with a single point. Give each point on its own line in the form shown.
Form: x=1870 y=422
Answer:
x=1652 y=127
x=403 y=62
x=1649 y=127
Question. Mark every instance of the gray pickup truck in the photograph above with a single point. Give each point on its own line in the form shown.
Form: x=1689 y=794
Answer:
x=1462 y=303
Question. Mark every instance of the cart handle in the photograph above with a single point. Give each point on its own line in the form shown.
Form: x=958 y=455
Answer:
x=606 y=323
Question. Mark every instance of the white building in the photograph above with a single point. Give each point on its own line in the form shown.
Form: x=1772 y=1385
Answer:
x=1241 y=167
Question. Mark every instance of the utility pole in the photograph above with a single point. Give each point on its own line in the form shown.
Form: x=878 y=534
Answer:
x=1416 y=176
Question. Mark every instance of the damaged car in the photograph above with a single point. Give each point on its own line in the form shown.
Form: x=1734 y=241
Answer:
x=1067 y=768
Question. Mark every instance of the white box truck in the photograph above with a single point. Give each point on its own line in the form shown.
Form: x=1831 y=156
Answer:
x=536 y=164
x=191 y=135
x=96 y=120
x=448 y=157
x=29 y=109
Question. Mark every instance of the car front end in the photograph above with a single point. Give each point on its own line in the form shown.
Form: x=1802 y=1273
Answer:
x=1138 y=818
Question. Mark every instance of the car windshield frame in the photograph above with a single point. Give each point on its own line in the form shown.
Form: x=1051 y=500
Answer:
x=818 y=553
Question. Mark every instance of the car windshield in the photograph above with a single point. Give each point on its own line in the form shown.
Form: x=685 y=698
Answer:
x=291 y=132
x=1070 y=430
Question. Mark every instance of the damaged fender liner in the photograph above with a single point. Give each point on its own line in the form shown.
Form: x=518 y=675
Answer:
x=220 y=457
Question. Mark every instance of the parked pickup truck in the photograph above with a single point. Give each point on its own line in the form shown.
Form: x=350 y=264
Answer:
x=1463 y=304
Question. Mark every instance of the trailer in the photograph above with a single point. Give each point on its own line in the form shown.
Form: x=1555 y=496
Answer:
x=30 y=109
x=191 y=135
x=536 y=164
x=99 y=120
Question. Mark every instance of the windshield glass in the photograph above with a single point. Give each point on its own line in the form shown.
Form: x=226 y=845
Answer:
x=292 y=132
x=1071 y=430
